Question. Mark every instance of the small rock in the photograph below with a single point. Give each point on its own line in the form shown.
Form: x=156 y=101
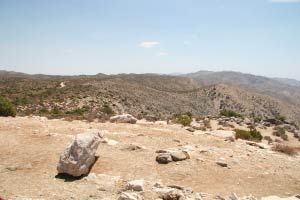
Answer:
x=233 y=196
x=222 y=163
x=130 y=196
x=190 y=129
x=164 y=158
x=136 y=185
x=179 y=156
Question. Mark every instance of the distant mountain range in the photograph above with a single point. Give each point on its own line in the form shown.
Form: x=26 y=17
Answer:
x=155 y=96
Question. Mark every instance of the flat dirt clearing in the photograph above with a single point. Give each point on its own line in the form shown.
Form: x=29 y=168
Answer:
x=30 y=148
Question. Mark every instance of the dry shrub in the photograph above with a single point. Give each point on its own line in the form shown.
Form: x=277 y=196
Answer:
x=291 y=151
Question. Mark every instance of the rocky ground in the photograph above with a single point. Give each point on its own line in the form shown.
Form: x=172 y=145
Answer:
x=30 y=148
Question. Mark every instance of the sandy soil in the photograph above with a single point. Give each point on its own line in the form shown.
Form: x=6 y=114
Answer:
x=30 y=148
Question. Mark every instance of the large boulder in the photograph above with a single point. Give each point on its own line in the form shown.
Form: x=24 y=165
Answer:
x=125 y=118
x=79 y=155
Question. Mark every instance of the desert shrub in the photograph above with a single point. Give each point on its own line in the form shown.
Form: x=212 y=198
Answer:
x=257 y=119
x=7 y=108
x=280 y=131
x=184 y=119
x=284 y=137
x=107 y=110
x=252 y=135
x=78 y=111
x=291 y=151
x=55 y=111
x=281 y=118
x=256 y=135
x=277 y=140
x=229 y=113
x=269 y=139
x=43 y=110
x=242 y=134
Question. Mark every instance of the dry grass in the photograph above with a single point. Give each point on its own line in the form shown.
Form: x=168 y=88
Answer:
x=291 y=151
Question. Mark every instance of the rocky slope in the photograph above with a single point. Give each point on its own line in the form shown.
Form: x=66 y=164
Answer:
x=150 y=96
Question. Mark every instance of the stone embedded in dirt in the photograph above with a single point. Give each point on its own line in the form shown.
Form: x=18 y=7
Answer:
x=179 y=156
x=130 y=196
x=259 y=145
x=164 y=158
x=125 y=118
x=79 y=155
x=134 y=147
x=222 y=163
x=136 y=185
x=190 y=129
x=233 y=196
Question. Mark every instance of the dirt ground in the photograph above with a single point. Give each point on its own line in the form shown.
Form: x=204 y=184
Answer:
x=30 y=148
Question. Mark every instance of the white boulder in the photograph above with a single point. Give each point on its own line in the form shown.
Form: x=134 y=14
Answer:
x=125 y=118
x=79 y=155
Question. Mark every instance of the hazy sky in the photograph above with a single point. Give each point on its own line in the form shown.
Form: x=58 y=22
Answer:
x=161 y=36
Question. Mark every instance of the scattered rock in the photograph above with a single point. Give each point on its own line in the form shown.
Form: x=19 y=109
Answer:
x=125 y=118
x=134 y=147
x=130 y=196
x=259 y=145
x=136 y=185
x=179 y=156
x=233 y=196
x=222 y=163
x=79 y=155
x=190 y=129
x=164 y=158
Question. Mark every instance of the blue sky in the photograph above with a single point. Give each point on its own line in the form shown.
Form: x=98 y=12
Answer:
x=159 y=36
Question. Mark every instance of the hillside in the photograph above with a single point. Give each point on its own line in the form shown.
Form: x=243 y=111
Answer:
x=150 y=96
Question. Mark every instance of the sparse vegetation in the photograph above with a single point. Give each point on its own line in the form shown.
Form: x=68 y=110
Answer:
x=230 y=113
x=252 y=135
x=269 y=139
x=291 y=151
x=280 y=132
x=106 y=109
x=185 y=119
x=78 y=111
x=7 y=108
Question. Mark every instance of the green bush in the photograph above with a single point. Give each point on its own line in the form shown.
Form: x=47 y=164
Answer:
x=242 y=134
x=229 y=113
x=7 y=108
x=284 y=137
x=107 y=110
x=78 y=111
x=184 y=119
x=281 y=118
x=255 y=134
x=269 y=139
x=252 y=135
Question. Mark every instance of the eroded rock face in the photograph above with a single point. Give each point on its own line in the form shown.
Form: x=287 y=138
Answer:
x=125 y=118
x=79 y=155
